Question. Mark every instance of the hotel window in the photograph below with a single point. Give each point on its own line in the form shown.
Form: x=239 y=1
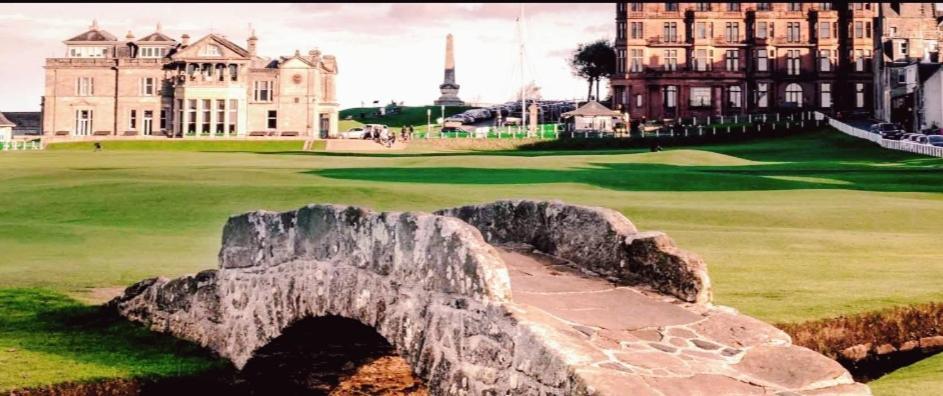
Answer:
x=220 y=116
x=862 y=6
x=233 y=115
x=83 y=122
x=272 y=119
x=735 y=96
x=263 y=91
x=700 y=97
x=133 y=120
x=671 y=96
x=638 y=100
x=620 y=7
x=792 y=63
x=762 y=95
x=825 y=60
x=191 y=114
x=163 y=118
x=794 y=94
x=826 y=92
x=762 y=60
x=795 y=6
x=636 y=31
x=733 y=60
x=671 y=6
x=702 y=30
x=620 y=30
x=859 y=95
x=859 y=29
x=825 y=6
x=867 y=29
x=212 y=50
x=179 y=121
x=825 y=30
x=732 y=32
x=636 y=7
x=671 y=60
x=703 y=6
x=761 y=30
x=702 y=60
x=151 y=52
x=620 y=61
x=85 y=86
x=636 y=65
x=671 y=31
x=148 y=86
x=903 y=48
x=763 y=6
x=207 y=115
x=793 y=33
x=733 y=6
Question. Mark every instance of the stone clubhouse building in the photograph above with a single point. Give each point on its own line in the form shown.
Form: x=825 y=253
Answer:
x=211 y=87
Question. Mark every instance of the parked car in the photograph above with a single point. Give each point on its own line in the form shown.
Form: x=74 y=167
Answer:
x=935 y=140
x=353 y=133
x=920 y=139
x=881 y=127
x=888 y=131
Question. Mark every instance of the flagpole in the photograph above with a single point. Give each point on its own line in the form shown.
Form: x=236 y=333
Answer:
x=520 y=25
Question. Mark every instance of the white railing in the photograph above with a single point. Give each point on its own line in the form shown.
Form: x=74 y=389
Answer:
x=902 y=145
x=13 y=145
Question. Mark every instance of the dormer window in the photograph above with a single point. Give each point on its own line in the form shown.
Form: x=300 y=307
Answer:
x=88 y=52
x=212 y=50
x=152 y=52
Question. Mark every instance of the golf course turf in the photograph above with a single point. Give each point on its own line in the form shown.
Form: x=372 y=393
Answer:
x=794 y=228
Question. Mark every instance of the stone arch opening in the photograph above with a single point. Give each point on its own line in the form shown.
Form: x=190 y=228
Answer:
x=330 y=355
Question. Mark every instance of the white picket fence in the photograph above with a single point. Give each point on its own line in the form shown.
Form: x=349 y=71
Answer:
x=902 y=145
x=20 y=145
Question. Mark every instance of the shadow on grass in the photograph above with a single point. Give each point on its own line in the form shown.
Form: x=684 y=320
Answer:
x=659 y=177
x=94 y=337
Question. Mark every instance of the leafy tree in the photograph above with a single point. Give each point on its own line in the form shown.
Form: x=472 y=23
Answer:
x=593 y=61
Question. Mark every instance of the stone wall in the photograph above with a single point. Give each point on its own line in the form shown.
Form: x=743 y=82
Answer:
x=429 y=284
x=598 y=239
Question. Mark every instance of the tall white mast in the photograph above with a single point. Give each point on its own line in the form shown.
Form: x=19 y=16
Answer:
x=520 y=25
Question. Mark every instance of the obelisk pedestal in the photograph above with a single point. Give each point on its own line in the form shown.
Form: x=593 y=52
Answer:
x=448 y=87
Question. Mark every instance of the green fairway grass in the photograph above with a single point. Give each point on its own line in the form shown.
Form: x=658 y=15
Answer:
x=187 y=145
x=794 y=228
x=922 y=378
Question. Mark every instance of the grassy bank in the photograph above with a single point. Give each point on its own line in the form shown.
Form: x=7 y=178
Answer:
x=793 y=228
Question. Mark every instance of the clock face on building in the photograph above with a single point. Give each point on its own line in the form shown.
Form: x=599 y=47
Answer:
x=296 y=79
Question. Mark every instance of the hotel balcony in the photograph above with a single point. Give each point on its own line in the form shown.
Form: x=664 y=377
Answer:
x=722 y=41
x=660 y=41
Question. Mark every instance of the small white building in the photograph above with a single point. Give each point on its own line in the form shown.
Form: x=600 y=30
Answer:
x=6 y=129
x=591 y=116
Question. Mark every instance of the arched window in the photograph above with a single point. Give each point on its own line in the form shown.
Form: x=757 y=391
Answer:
x=233 y=72
x=735 y=95
x=794 y=94
x=220 y=69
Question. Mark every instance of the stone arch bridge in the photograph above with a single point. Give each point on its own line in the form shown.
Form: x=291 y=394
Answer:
x=506 y=298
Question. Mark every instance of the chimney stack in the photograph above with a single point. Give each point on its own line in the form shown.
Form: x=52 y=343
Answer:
x=252 y=41
x=185 y=39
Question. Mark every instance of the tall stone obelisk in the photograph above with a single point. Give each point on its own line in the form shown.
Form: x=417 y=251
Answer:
x=449 y=88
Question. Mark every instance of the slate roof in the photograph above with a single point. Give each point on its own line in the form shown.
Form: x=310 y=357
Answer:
x=5 y=122
x=94 y=35
x=27 y=122
x=156 y=37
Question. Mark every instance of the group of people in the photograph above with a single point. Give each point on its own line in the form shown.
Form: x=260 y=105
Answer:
x=384 y=137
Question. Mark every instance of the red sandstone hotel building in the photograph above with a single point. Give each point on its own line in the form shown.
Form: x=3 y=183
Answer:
x=699 y=59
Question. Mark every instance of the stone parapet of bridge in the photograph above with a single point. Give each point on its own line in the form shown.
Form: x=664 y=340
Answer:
x=507 y=298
